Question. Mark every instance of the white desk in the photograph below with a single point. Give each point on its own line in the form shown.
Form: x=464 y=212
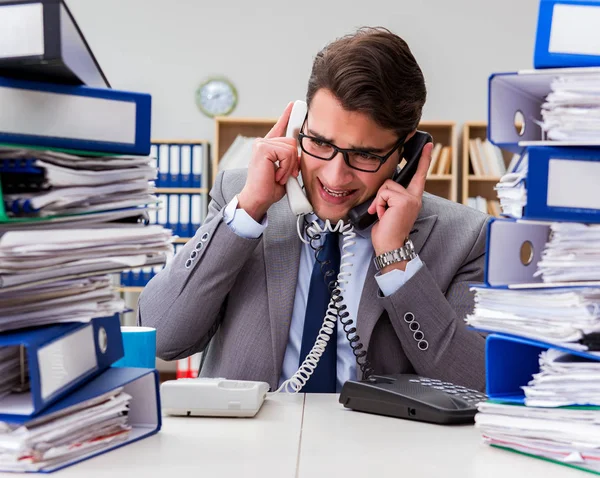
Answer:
x=340 y=442
x=293 y=436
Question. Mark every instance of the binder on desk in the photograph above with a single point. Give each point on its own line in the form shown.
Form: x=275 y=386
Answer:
x=40 y=40
x=511 y=362
x=143 y=413
x=513 y=250
x=567 y=34
x=562 y=184
x=525 y=92
x=74 y=117
x=58 y=359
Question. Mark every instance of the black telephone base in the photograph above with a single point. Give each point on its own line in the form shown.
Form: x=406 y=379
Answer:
x=412 y=397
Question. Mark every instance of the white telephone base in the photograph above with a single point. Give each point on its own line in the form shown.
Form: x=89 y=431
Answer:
x=212 y=397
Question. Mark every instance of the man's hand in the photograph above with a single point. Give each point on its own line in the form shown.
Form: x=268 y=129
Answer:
x=265 y=184
x=397 y=209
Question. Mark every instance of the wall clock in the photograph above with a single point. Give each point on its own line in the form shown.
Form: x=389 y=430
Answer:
x=216 y=97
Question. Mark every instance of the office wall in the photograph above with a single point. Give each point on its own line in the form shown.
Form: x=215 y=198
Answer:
x=166 y=48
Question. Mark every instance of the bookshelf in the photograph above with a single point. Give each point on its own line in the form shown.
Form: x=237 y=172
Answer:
x=227 y=128
x=474 y=185
x=184 y=176
x=444 y=185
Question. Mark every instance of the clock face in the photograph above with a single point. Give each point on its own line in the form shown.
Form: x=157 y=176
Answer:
x=216 y=97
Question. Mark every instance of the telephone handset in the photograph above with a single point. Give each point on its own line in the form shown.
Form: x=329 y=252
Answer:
x=413 y=148
x=298 y=201
x=359 y=217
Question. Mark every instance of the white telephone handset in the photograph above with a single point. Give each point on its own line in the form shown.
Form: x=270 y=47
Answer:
x=299 y=204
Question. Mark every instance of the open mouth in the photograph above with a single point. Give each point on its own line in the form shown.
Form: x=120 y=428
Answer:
x=336 y=196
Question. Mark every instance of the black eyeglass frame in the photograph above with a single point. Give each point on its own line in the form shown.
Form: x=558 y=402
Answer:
x=346 y=152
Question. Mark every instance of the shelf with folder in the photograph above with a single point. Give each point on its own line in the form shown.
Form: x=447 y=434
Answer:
x=443 y=178
x=130 y=289
x=477 y=182
x=494 y=179
x=182 y=190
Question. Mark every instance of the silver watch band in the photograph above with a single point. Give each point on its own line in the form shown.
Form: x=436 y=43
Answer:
x=404 y=253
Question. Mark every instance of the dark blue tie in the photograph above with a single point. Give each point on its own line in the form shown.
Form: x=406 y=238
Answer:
x=323 y=379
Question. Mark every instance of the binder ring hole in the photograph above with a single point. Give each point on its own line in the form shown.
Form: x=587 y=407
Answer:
x=526 y=253
x=102 y=340
x=519 y=122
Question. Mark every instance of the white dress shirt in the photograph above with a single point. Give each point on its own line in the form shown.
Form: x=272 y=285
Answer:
x=243 y=225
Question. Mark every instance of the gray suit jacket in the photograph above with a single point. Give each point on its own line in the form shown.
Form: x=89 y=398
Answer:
x=238 y=294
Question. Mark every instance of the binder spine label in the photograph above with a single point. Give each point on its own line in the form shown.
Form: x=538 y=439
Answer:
x=565 y=18
x=573 y=183
x=66 y=360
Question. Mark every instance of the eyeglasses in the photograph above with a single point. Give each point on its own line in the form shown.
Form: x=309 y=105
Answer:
x=359 y=160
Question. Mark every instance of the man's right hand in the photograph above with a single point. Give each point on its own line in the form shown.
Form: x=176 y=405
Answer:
x=265 y=184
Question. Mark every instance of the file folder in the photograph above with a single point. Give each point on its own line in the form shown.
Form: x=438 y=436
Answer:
x=40 y=40
x=524 y=91
x=513 y=250
x=511 y=362
x=144 y=415
x=562 y=184
x=567 y=34
x=59 y=358
x=74 y=117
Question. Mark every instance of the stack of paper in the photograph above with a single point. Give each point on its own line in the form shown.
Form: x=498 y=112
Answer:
x=76 y=184
x=512 y=189
x=571 y=254
x=75 y=431
x=27 y=258
x=571 y=111
x=561 y=316
x=80 y=299
x=564 y=379
x=567 y=435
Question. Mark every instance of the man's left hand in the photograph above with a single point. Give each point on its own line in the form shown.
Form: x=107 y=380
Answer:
x=397 y=208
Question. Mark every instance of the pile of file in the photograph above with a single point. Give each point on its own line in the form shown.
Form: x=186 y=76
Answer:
x=76 y=188
x=571 y=111
x=540 y=301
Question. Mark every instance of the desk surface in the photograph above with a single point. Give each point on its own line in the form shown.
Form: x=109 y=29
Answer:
x=310 y=436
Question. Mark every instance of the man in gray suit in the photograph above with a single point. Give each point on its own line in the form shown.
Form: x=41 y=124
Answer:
x=242 y=289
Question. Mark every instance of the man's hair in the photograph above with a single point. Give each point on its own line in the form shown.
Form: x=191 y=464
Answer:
x=372 y=71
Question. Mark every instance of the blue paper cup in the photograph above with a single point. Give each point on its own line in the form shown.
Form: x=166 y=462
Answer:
x=139 y=346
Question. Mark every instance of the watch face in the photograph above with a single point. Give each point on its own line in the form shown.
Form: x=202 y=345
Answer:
x=216 y=97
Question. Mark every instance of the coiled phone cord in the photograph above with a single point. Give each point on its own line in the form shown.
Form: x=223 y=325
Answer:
x=336 y=307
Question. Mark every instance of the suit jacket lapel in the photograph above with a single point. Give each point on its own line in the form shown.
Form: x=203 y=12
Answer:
x=370 y=307
x=282 y=257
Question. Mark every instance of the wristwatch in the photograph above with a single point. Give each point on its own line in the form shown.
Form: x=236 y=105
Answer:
x=404 y=253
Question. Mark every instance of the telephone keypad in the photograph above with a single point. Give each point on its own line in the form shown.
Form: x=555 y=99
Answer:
x=473 y=397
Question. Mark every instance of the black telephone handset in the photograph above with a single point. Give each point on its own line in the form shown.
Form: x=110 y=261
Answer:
x=413 y=149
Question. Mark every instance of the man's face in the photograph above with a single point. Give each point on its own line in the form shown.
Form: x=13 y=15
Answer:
x=332 y=187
